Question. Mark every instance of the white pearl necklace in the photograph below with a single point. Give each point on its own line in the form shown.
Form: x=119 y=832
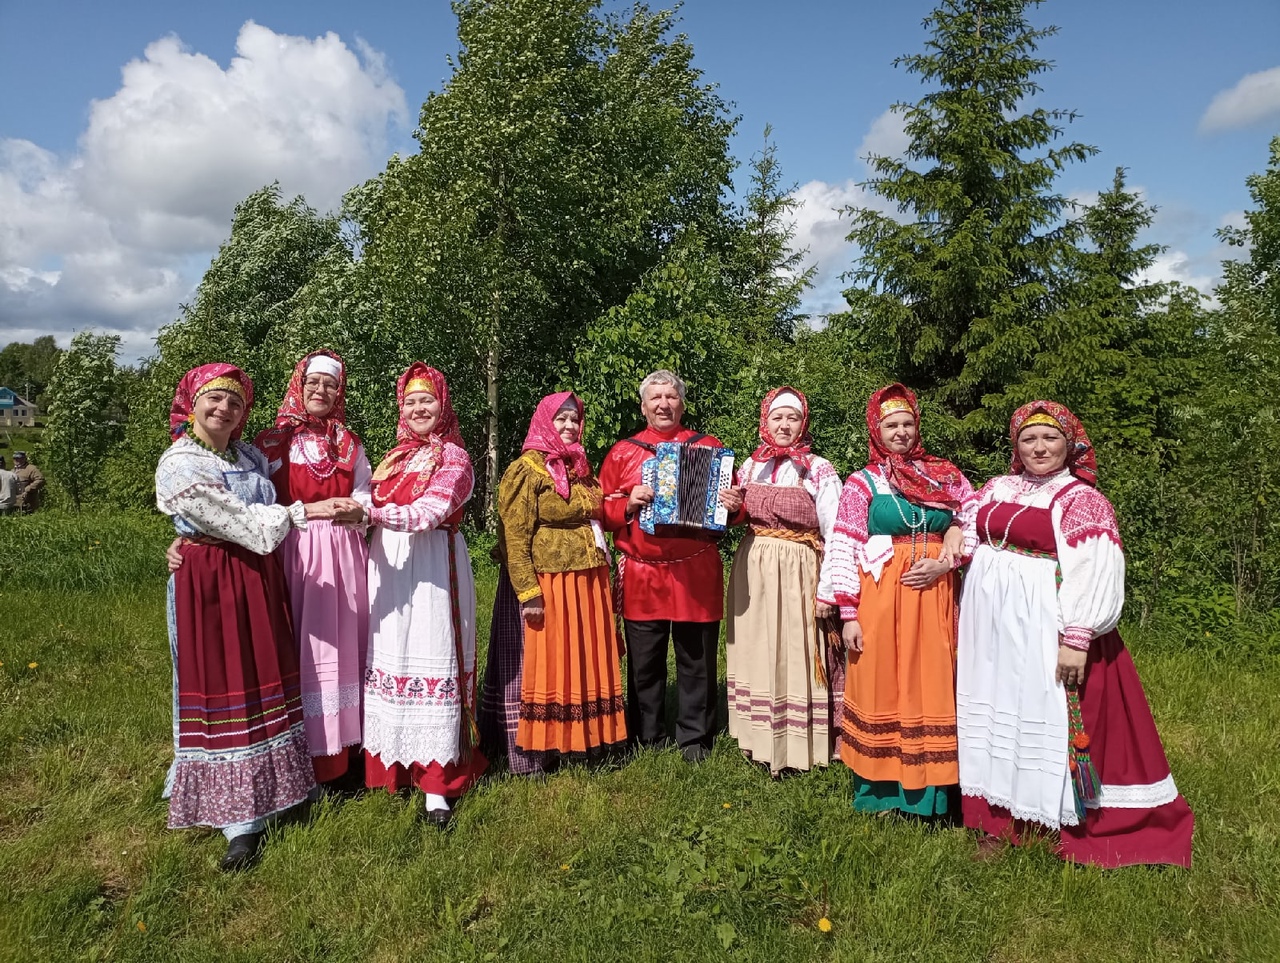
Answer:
x=1027 y=483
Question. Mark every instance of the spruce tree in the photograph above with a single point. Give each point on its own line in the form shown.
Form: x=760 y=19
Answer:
x=950 y=295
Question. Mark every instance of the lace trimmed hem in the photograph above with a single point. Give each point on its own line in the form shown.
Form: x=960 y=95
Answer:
x=1017 y=812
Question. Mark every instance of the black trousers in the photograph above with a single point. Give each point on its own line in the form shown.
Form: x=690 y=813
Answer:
x=695 y=645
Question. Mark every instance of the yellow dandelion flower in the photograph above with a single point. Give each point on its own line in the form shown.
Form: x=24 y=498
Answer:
x=32 y=665
x=142 y=927
x=824 y=924
x=564 y=866
x=727 y=805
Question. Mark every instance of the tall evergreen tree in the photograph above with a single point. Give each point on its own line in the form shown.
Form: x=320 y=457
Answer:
x=951 y=295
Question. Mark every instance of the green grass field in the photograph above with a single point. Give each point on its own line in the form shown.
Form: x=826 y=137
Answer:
x=651 y=860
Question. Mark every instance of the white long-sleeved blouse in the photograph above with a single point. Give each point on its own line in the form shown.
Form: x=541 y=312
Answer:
x=206 y=495
x=1087 y=538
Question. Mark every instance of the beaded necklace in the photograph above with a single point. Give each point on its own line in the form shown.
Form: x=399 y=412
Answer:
x=916 y=528
x=307 y=440
x=230 y=455
x=1026 y=483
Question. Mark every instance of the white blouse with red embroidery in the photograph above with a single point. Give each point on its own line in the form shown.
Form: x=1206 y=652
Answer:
x=1090 y=553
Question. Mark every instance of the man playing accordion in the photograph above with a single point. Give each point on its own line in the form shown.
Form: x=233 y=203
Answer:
x=671 y=586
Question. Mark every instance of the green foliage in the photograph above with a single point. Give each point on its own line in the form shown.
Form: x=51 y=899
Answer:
x=665 y=323
x=1231 y=476
x=80 y=428
x=951 y=294
x=28 y=368
x=557 y=163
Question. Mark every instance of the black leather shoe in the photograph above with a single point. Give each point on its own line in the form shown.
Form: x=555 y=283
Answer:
x=242 y=853
x=438 y=817
x=695 y=753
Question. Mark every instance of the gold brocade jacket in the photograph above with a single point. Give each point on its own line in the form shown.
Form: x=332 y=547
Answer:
x=538 y=531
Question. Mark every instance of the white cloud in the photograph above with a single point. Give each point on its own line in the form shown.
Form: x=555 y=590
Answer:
x=1197 y=272
x=1254 y=98
x=109 y=236
x=885 y=137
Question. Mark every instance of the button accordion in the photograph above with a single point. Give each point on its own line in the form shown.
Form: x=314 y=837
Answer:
x=687 y=480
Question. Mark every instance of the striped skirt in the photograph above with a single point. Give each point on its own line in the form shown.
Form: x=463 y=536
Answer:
x=242 y=745
x=779 y=710
x=571 y=701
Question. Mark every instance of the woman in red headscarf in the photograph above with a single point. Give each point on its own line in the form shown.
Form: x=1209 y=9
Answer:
x=888 y=568
x=780 y=679
x=419 y=684
x=315 y=458
x=553 y=686
x=240 y=745
x=1054 y=728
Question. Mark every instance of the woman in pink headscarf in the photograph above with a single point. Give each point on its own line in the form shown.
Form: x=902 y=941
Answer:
x=779 y=679
x=419 y=683
x=240 y=747
x=553 y=687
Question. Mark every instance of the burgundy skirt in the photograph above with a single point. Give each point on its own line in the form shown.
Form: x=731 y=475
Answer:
x=242 y=746
x=450 y=780
x=1140 y=818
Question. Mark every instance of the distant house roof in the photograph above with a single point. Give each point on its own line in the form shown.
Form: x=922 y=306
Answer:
x=9 y=398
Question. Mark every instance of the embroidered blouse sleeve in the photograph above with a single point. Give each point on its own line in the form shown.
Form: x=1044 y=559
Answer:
x=518 y=509
x=967 y=515
x=202 y=498
x=447 y=491
x=1091 y=595
x=844 y=547
x=970 y=518
x=361 y=480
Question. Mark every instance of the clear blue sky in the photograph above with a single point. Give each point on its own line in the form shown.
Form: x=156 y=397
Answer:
x=108 y=213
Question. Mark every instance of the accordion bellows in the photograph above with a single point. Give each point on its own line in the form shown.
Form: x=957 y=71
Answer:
x=687 y=481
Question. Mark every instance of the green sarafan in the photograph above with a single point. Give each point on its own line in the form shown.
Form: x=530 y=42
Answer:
x=645 y=859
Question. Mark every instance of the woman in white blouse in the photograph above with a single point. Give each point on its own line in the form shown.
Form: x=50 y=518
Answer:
x=779 y=677
x=239 y=741
x=1054 y=728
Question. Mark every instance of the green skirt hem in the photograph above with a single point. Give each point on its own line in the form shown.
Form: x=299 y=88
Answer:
x=878 y=797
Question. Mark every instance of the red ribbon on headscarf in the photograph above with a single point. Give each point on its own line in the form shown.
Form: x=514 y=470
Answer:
x=1081 y=460
x=184 y=397
x=340 y=443
x=922 y=478
x=392 y=482
x=799 y=450
x=561 y=459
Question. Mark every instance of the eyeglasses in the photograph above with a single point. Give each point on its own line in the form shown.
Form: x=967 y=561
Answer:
x=320 y=384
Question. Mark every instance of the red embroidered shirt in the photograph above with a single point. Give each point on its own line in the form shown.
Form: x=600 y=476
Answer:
x=676 y=578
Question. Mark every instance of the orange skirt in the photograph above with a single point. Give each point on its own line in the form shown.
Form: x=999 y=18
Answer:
x=899 y=720
x=571 y=686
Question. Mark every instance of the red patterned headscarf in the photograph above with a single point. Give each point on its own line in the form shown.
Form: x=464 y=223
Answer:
x=1081 y=461
x=336 y=445
x=799 y=450
x=922 y=478
x=392 y=475
x=563 y=461
x=208 y=377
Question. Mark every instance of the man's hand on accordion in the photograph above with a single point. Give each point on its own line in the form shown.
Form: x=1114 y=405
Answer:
x=731 y=498
x=640 y=496
x=533 y=612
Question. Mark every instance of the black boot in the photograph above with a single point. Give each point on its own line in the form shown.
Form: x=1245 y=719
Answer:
x=242 y=852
